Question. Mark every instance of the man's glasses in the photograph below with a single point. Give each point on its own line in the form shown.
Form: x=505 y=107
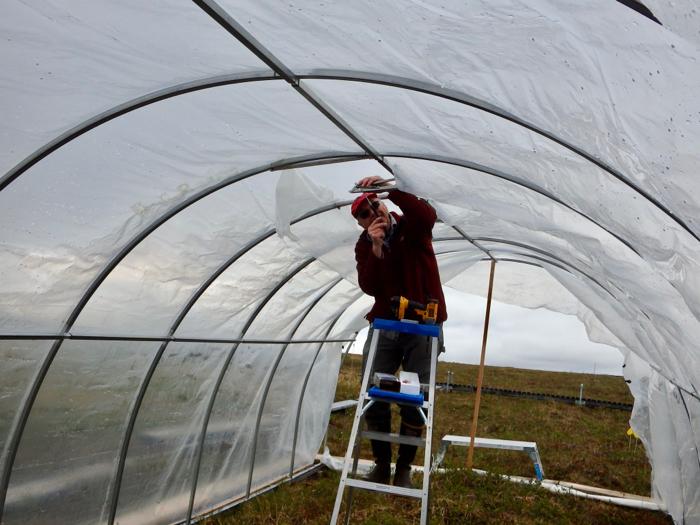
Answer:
x=370 y=210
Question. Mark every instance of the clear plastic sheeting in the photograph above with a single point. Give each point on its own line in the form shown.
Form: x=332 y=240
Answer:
x=157 y=279
x=65 y=466
x=292 y=302
x=516 y=221
x=181 y=170
x=584 y=71
x=665 y=418
x=225 y=468
x=129 y=173
x=157 y=479
x=65 y=63
x=20 y=363
x=683 y=18
x=313 y=420
x=226 y=306
x=276 y=430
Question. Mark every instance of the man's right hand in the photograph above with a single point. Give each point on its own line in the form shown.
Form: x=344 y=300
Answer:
x=377 y=232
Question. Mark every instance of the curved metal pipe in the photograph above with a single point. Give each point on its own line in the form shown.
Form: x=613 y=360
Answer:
x=270 y=378
x=452 y=161
x=30 y=398
x=116 y=486
x=229 y=357
x=21 y=422
x=303 y=390
x=127 y=107
x=545 y=253
x=468 y=100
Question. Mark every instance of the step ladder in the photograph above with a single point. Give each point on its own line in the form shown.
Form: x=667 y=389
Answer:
x=367 y=399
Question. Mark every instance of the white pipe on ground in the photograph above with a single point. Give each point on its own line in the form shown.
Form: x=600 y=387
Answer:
x=558 y=487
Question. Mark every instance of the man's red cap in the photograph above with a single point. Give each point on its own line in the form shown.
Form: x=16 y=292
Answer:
x=358 y=202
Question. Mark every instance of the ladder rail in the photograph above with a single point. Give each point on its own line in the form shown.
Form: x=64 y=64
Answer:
x=352 y=453
x=425 y=507
x=352 y=444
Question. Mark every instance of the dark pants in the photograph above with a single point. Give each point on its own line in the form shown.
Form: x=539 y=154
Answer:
x=411 y=353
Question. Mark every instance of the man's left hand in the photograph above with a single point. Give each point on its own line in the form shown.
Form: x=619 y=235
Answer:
x=369 y=181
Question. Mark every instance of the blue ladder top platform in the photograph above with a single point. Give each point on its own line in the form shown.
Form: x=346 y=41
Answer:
x=431 y=330
x=397 y=397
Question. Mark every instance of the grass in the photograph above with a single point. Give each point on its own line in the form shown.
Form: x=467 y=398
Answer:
x=578 y=444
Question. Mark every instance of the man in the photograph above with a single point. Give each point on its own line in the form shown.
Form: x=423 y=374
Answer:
x=395 y=257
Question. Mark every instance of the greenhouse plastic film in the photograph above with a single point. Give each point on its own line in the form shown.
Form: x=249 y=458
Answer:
x=157 y=479
x=276 y=431
x=585 y=72
x=72 y=438
x=88 y=57
x=315 y=411
x=227 y=304
x=528 y=224
x=156 y=280
x=20 y=362
x=226 y=458
x=569 y=142
x=128 y=174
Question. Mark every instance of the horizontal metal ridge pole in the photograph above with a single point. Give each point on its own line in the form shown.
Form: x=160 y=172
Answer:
x=378 y=487
x=79 y=337
x=468 y=100
x=475 y=243
x=227 y=22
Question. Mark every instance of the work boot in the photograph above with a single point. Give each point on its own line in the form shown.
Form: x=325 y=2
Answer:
x=381 y=450
x=380 y=473
x=402 y=476
x=407 y=453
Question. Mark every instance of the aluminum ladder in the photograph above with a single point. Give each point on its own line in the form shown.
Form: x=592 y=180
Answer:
x=347 y=478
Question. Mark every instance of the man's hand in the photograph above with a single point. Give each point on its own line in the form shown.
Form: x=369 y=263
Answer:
x=377 y=232
x=369 y=181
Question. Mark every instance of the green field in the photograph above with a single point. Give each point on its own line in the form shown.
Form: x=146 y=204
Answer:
x=577 y=444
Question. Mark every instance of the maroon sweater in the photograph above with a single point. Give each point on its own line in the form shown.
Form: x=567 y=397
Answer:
x=409 y=267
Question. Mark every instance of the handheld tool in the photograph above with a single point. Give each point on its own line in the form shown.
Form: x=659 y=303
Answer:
x=426 y=312
x=379 y=187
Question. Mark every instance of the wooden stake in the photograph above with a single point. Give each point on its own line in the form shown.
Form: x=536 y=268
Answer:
x=477 y=402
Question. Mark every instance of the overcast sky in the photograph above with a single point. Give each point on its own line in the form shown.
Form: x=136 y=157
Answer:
x=520 y=337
